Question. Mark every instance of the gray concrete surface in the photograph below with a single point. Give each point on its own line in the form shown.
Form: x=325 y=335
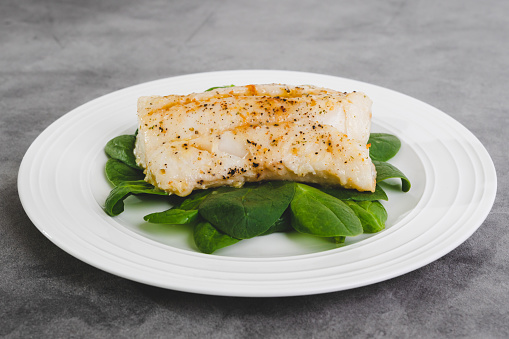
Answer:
x=57 y=55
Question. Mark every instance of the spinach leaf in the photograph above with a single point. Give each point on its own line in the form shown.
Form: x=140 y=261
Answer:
x=338 y=240
x=173 y=216
x=213 y=88
x=351 y=194
x=114 y=204
x=122 y=148
x=385 y=171
x=283 y=224
x=208 y=239
x=317 y=213
x=248 y=211
x=383 y=146
x=372 y=215
x=117 y=172
x=186 y=211
x=193 y=201
x=376 y=209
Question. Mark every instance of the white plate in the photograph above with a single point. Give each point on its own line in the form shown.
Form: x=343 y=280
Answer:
x=62 y=187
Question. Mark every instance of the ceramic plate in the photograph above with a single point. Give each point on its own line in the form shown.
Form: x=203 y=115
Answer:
x=62 y=187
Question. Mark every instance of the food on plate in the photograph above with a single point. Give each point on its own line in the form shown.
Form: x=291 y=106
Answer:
x=233 y=135
x=247 y=161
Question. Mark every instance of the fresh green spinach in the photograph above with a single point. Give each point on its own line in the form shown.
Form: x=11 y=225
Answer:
x=174 y=216
x=118 y=172
x=248 y=211
x=349 y=194
x=193 y=201
x=338 y=240
x=283 y=224
x=121 y=148
x=385 y=171
x=114 y=204
x=208 y=239
x=184 y=212
x=213 y=88
x=317 y=213
x=372 y=215
x=383 y=146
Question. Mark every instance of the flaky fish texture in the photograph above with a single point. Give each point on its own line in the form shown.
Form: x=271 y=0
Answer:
x=229 y=136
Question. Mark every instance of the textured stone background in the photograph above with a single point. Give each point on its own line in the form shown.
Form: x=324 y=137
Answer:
x=56 y=55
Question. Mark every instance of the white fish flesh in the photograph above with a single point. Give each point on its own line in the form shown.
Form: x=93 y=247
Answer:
x=234 y=135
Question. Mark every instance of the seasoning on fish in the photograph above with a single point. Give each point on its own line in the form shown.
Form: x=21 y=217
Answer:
x=233 y=135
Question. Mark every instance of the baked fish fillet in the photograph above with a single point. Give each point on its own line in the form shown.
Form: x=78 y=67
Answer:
x=234 y=135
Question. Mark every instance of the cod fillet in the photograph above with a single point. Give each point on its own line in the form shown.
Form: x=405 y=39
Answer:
x=229 y=136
